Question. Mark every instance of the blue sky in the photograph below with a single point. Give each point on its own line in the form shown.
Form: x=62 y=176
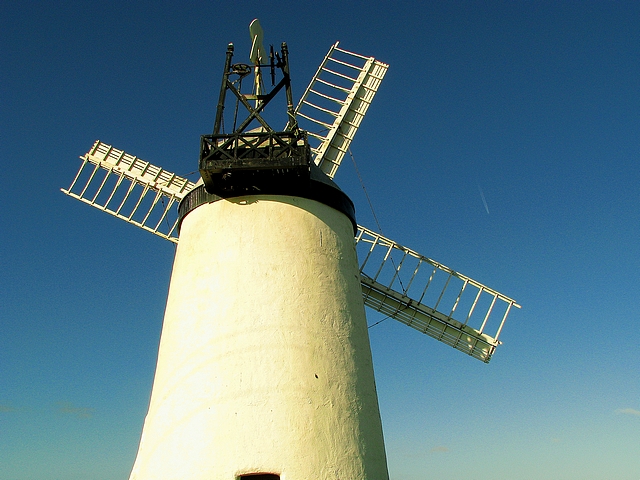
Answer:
x=534 y=104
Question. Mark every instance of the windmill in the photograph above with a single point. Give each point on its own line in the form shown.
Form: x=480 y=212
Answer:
x=264 y=368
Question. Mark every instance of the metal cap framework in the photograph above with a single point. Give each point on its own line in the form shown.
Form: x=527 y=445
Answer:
x=260 y=160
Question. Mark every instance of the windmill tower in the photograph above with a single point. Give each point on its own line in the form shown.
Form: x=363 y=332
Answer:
x=264 y=368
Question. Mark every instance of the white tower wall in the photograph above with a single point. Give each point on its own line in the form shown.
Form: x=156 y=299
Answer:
x=264 y=363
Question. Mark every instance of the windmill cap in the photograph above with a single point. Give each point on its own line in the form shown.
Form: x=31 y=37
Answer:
x=319 y=188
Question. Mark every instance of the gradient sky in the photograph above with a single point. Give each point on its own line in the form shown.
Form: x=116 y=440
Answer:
x=504 y=143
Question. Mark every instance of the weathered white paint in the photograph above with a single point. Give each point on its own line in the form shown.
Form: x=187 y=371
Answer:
x=264 y=362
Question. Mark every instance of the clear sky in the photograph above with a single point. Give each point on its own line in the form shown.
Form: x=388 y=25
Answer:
x=531 y=107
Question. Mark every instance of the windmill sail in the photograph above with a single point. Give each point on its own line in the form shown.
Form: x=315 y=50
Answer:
x=396 y=281
x=131 y=189
x=430 y=297
x=335 y=102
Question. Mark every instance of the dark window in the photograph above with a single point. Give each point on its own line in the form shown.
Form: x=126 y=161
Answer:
x=259 y=476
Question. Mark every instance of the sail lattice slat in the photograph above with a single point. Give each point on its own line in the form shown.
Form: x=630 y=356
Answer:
x=430 y=297
x=335 y=102
x=131 y=189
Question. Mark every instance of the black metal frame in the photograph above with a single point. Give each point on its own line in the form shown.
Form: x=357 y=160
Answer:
x=245 y=162
x=254 y=112
x=254 y=148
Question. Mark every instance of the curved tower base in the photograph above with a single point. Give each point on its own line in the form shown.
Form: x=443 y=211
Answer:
x=264 y=365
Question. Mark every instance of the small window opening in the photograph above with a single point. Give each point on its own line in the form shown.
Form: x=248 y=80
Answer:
x=259 y=476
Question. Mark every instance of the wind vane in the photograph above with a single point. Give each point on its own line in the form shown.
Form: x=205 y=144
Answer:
x=257 y=55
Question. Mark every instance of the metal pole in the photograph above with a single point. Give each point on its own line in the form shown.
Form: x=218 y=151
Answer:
x=223 y=90
x=292 y=124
